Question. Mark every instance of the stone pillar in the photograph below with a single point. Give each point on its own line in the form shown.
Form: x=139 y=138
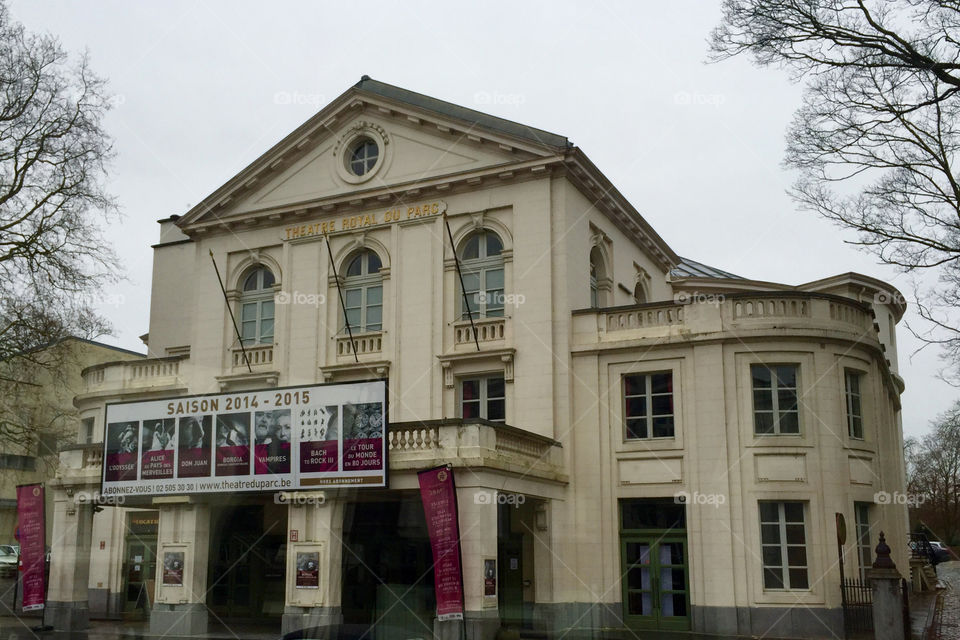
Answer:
x=314 y=533
x=478 y=542
x=887 y=600
x=67 y=599
x=183 y=544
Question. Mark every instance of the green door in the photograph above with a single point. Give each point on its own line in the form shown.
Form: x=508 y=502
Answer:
x=139 y=574
x=655 y=583
x=510 y=555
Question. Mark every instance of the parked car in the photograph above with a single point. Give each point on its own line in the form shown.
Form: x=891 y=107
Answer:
x=8 y=564
x=11 y=548
x=941 y=553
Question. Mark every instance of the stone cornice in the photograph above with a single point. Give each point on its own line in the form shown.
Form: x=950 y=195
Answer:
x=380 y=197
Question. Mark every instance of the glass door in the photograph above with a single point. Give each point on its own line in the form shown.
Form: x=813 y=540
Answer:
x=655 y=585
x=139 y=572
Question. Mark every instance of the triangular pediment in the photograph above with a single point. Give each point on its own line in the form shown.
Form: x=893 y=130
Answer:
x=417 y=144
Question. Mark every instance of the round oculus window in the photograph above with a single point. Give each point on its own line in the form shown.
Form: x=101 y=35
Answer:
x=363 y=156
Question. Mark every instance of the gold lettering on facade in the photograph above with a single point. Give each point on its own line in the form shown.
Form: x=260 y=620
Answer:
x=396 y=214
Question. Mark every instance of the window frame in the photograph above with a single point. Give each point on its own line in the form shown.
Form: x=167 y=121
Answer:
x=784 y=546
x=850 y=397
x=484 y=398
x=363 y=282
x=648 y=396
x=368 y=163
x=257 y=298
x=773 y=390
x=481 y=267
x=862 y=530
x=87 y=430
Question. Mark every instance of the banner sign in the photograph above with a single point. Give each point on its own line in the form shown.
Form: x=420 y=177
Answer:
x=289 y=438
x=439 y=497
x=33 y=552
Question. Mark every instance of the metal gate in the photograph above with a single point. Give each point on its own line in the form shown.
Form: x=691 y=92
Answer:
x=857 y=598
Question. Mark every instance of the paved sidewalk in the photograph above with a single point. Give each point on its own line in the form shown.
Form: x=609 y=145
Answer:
x=947 y=623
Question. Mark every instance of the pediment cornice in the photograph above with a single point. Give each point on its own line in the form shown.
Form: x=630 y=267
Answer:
x=347 y=110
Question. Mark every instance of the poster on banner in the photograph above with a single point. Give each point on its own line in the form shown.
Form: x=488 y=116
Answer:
x=284 y=439
x=32 y=535
x=439 y=496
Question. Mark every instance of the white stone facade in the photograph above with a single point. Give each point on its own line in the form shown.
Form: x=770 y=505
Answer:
x=590 y=294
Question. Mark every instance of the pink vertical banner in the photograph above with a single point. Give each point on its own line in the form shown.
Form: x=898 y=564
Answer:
x=30 y=517
x=439 y=495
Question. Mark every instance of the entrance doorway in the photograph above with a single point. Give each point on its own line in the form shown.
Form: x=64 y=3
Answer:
x=139 y=564
x=388 y=565
x=246 y=568
x=653 y=552
x=516 y=533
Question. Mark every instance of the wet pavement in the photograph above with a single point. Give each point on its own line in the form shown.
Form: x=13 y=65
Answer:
x=947 y=621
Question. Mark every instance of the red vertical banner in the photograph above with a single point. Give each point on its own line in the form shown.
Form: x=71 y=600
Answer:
x=30 y=516
x=439 y=495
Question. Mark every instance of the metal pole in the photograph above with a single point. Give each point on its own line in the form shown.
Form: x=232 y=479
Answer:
x=463 y=290
x=343 y=306
x=230 y=309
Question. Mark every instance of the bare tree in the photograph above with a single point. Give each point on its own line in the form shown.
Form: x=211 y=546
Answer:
x=876 y=136
x=933 y=475
x=53 y=149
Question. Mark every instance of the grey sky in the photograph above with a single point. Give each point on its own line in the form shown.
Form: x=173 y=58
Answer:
x=202 y=88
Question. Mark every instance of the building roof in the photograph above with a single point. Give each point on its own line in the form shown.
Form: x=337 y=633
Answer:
x=484 y=120
x=688 y=268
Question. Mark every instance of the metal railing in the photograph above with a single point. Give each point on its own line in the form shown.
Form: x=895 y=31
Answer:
x=857 y=598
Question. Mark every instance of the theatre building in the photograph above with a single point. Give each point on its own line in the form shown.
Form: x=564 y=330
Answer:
x=637 y=440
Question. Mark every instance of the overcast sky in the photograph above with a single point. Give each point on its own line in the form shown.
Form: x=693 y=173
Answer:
x=203 y=88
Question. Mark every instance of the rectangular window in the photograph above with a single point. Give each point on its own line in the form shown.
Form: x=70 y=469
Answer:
x=484 y=398
x=256 y=322
x=783 y=543
x=648 y=405
x=864 y=554
x=484 y=289
x=86 y=431
x=854 y=410
x=17 y=462
x=775 y=399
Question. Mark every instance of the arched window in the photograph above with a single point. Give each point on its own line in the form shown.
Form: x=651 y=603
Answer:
x=256 y=307
x=639 y=295
x=363 y=293
x=597 y=273
x=481 y=263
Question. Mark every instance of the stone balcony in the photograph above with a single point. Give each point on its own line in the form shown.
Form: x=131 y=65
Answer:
x=80 y=465
x=474 y=443
x=740 y=313
x=136 y=376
